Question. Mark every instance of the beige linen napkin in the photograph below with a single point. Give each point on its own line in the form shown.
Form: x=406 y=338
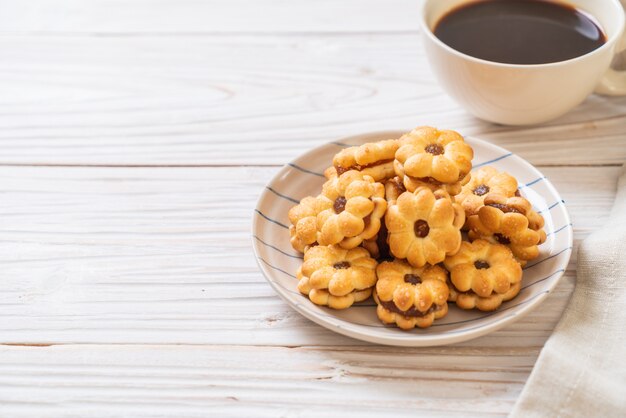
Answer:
x=581 y=371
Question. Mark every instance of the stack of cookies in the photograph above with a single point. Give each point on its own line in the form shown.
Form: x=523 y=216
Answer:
x=390 y=222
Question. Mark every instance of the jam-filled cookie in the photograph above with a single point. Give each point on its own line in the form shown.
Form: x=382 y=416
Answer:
x=358 y=205
x=374 y=159
x=483 y=275
x=330 y=172
x=303 y=218
x=469 y=300
x=485 y=180
x=336 y=277
x=536 y=223
x=432 y=158
x=505 y=221
x=424 y=227
x=410 y=296
x=393 y=189
x=378 y=246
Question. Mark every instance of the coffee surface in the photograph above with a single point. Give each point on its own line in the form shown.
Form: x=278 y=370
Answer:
x=520 y=31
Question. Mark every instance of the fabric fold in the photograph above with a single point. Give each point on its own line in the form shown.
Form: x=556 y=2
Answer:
x=581 y=370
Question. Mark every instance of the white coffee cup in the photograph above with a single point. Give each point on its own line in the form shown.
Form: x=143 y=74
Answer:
x=515 y=94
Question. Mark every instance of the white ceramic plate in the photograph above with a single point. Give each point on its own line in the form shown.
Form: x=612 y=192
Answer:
x=303 y=177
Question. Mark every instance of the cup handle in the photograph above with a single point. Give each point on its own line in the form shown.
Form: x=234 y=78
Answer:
x=614 y=81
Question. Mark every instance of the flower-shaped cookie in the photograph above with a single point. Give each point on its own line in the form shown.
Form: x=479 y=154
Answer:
x=358 y=204
x=374 y=159
x=394 y=188
x=536 y=223
x=483 y=274
x=330 y=172
x=504 y=220
x=333 y=276
x=303 y=218
x=424 y=226
x=469 y=300
x=411 y=184
x=485 y=180
x=378 y=246
x=410 y=296
x=433 y=158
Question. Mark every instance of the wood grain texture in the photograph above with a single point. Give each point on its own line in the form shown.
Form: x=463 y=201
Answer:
x=246 y=100
x=233 y=381
x=132 y=17
x=133 y=291
x=163 y=255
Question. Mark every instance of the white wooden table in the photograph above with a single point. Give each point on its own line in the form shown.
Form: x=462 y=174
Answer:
x=135 y=139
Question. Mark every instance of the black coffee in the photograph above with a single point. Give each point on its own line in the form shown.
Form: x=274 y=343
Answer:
x=519 y=31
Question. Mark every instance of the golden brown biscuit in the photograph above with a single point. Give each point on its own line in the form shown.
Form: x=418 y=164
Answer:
x=303 y=218
x=371 y=245
x=483 y=268
x=374 y=159
x=469 y=300
x=536 y=223
x=411 y=184
x=393 y=189
x=424 y=227
x=485 y=180
x=378 y=246
x=504 y=220
x=358 y=205
x=330 y=173
x=336 y=277
x=410 y=296
x=483 y=275
x=432 y=158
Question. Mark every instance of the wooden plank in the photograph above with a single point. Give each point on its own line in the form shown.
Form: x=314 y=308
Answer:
x=234 y=381
x=248 y=100
x=207 y=16
x=117 y=258
x=162 y=255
